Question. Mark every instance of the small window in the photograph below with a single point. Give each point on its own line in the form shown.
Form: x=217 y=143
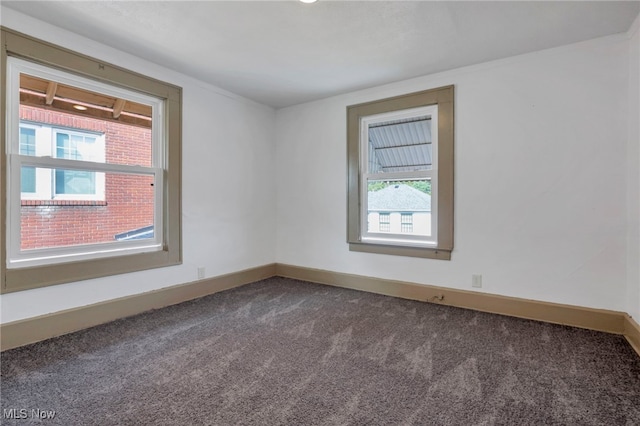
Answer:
x=400 y=172
x=385 y=222
x=406 y=223
x=92 y=156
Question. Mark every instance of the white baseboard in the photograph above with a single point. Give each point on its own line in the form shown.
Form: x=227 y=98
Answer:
x=576 y=316
x=31 y=330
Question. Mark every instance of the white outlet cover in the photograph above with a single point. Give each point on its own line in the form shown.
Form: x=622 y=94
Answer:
x=476 y=281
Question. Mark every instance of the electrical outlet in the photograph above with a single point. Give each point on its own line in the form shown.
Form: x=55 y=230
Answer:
x=201 y=272
x=476 y=281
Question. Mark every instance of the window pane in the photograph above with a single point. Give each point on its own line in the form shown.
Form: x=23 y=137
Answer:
x=126 y=213
x=27 y=147
x=400 y=206
x=400 y=145
x=62 y=145
x=75 y=182
x=28 y=179
x=73 y=146
x=27 y=141
x=107 y=129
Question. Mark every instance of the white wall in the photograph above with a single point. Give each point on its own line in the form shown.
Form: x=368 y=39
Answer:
x=228 y=194
x=547 y=181
x=540 y=198
x=633 y=177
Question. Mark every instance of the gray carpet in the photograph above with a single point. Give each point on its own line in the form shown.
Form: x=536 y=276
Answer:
x=282 y=351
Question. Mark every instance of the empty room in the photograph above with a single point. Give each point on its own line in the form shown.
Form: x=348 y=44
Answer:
x=320 y=212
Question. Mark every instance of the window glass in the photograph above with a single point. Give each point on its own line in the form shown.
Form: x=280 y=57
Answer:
x=130 y=209
x=28 y=147
x=78 y=132
x=75 y=182
x=76 y=147
x=399 y=151
x=409 y=199
x=400 y=145
x=87 y=178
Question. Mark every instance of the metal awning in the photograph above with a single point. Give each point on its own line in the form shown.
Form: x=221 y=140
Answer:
x=401 y=145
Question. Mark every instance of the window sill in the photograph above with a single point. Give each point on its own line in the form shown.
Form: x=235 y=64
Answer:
x=410 y=251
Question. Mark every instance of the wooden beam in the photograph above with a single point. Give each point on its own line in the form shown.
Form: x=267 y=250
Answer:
x=51 y=92
x=118 y=106
x=67 y=106
x=71 y=93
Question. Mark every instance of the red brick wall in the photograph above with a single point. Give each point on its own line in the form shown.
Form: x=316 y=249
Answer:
x=128 y=200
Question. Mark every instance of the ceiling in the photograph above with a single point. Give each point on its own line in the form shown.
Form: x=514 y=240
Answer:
x=282 y=53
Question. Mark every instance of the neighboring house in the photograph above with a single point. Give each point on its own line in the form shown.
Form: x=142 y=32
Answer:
x=399 y=209
x=70 y=207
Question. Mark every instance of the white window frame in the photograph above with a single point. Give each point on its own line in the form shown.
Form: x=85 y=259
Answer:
x=18 y=258
x=430 y=111
x=45 y=178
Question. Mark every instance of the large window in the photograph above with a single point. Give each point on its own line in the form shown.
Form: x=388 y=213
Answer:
x=400 y=171
x=92 y=155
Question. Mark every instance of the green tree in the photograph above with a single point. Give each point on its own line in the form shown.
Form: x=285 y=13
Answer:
x=420 y=185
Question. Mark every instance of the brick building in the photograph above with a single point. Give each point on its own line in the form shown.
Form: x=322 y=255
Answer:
x=70 y=207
